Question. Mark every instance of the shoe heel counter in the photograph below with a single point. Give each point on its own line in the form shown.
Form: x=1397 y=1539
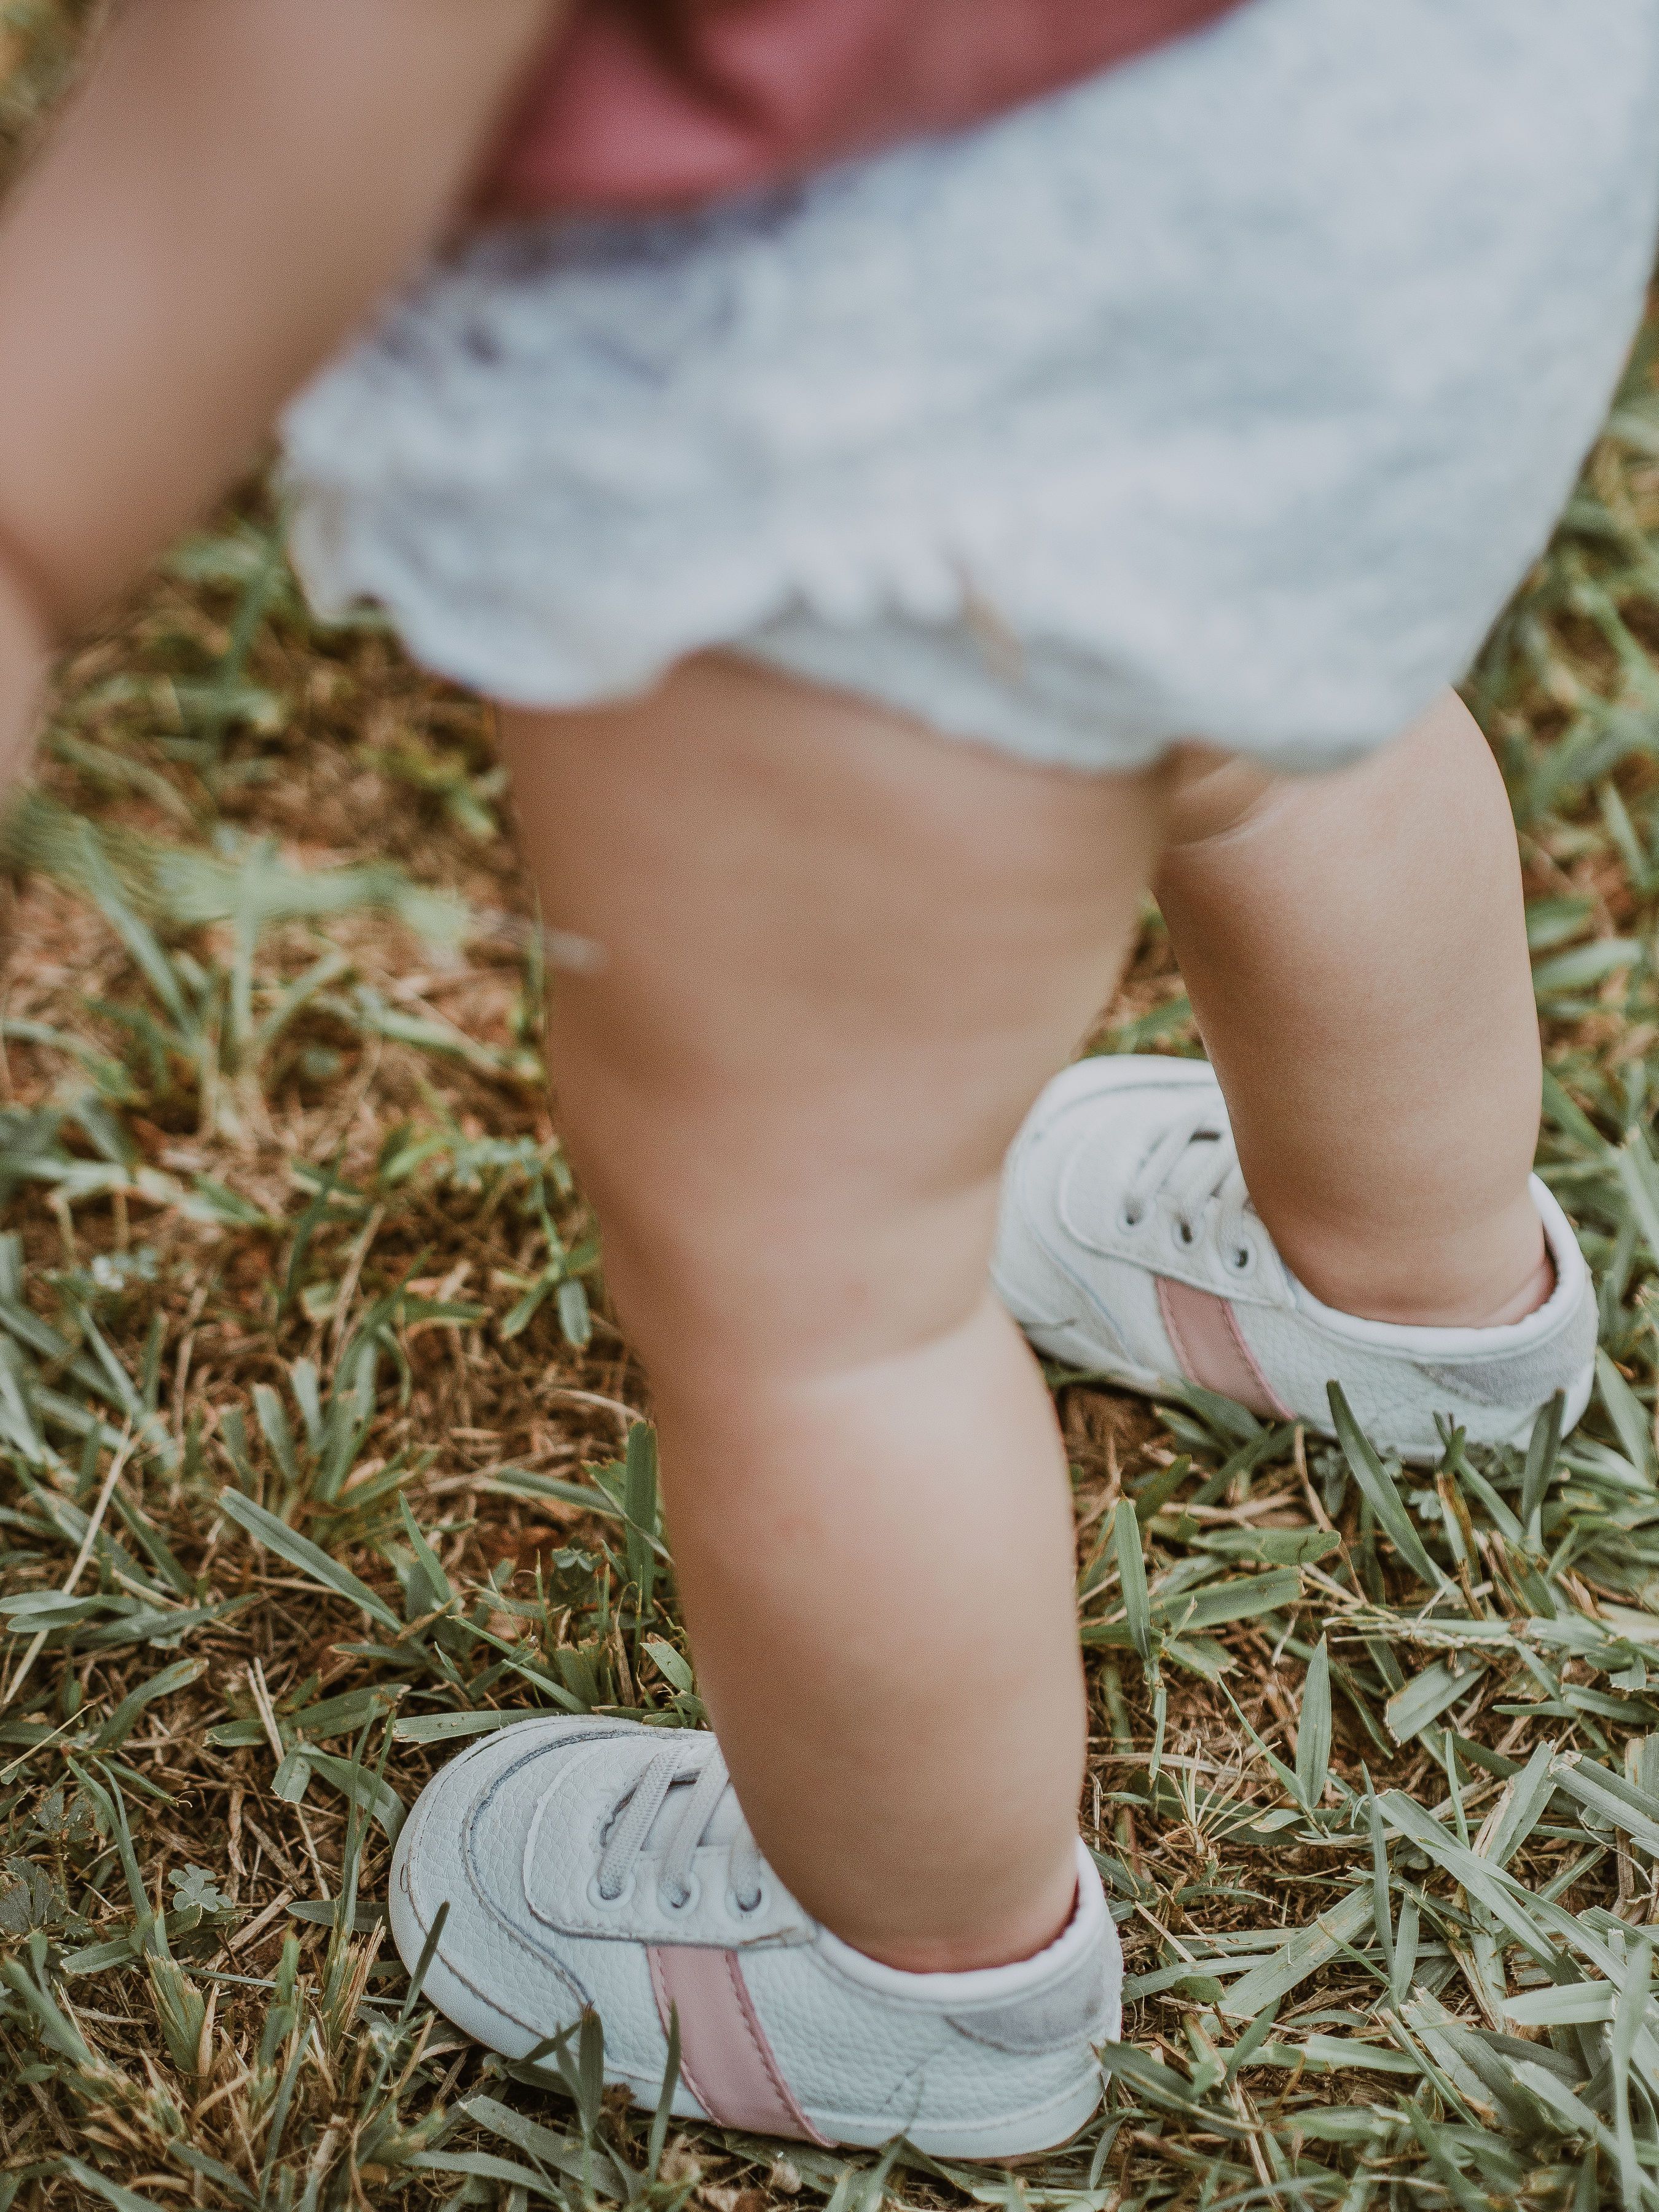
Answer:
x=1528 y=1379
x=1077 y=2012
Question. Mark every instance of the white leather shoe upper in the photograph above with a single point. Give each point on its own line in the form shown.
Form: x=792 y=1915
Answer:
x=602 y=1864
x=1127 y=1245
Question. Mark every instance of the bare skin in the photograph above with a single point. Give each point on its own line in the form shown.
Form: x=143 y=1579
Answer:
x=1355 y=946
x=840 y=955
x=843 y=955
x=237 y=185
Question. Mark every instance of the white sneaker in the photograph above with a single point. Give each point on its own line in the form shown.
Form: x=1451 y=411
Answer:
x=599 y=1863
x=1128 y=1246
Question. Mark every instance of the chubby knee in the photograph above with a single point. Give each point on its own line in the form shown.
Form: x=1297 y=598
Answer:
x=802 y=1214
x=763 y=1284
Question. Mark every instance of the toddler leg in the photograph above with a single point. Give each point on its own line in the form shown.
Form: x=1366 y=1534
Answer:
x=1355 y=951
x=840 y=956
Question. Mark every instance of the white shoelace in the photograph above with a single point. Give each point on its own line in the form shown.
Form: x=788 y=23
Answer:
x=635 y=1815
x=1194 y=1166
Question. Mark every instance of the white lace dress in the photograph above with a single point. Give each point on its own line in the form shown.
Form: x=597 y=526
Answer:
x=1227 y=395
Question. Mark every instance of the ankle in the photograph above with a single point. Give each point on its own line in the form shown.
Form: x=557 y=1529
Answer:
x=1006 y=1941
x=1454 y=1284
x=1533 y=1293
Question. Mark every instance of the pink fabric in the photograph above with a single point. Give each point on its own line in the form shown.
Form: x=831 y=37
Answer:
x=1210 y=1347
x=658 y=103
x=725 y=2060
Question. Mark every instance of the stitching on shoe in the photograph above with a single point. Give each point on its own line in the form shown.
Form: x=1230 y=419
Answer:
x=763 y=2048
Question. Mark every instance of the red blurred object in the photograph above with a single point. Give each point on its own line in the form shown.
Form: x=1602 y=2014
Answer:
x=643 y=104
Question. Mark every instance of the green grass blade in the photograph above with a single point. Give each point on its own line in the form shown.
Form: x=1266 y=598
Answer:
x=299 y=1551
x=1542 y=1453
x=1313 y=1740
x=122 y=1721
x=1310 y=1949
x=1132 y=1575
x=437 y=1581
x=640 y=1504
x=1378 y=1488
x=107 y=2192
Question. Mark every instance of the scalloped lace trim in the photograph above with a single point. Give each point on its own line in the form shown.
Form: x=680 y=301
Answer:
x=1181 y=384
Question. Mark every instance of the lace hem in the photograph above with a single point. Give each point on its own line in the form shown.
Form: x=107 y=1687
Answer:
x=1184 y=384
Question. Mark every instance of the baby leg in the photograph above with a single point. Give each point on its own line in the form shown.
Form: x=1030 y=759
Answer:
x=1355 y=948
x=840 y=956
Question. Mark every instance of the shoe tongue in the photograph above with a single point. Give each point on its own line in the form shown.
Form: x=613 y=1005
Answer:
x=722 y=1824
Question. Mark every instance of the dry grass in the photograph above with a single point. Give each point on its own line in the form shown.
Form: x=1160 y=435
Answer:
x=288 y=1235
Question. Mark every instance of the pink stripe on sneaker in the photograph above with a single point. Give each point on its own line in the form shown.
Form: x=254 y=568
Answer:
x=1210 y=1347
x=725 y=2060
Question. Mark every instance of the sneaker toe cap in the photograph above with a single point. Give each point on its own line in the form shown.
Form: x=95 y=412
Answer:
x=493 y=1972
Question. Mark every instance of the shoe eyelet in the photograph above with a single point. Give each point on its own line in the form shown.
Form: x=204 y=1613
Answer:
x=1242 y=1259
x=1184 y=1230
x=685 y=1902
x=754 y=1904
x=604 y=1901
x=1128 y=1217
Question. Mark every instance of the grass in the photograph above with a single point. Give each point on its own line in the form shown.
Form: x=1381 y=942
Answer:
x=320 y=1453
